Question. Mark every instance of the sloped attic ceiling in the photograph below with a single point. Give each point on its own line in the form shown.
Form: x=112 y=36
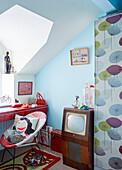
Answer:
x=70 y=17
x=23 y=33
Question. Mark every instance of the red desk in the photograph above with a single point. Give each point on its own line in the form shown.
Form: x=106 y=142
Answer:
x=8 y=113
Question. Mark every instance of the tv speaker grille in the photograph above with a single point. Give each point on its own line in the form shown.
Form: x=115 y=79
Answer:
x=74 y=151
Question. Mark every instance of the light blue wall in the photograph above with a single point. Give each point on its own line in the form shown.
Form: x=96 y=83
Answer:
x=59 y=82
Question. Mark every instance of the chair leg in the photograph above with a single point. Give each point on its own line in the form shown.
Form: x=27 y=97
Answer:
x=32 y=148
x=41 y=152
x=13 y=158
x=10 y=154
x=3 y=155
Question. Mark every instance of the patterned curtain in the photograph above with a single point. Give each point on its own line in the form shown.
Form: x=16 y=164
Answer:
x=108 y=92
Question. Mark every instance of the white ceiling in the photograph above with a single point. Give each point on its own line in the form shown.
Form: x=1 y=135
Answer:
x=70 y=17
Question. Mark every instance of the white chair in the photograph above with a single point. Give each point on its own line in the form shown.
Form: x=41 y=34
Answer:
x=29 y=141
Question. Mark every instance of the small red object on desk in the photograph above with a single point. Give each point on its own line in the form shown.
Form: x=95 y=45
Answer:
x=56 y=140
x=40 y=100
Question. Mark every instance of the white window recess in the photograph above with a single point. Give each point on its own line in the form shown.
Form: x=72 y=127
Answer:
x=7 y=89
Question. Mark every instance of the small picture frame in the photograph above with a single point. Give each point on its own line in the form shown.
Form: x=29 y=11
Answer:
x=79 y=56
x=24 y=88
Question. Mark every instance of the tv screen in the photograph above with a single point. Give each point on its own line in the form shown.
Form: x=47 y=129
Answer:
x=75 y=123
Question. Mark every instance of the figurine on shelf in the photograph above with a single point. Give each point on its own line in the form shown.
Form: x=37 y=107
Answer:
x=8 y=63
x=76 y=103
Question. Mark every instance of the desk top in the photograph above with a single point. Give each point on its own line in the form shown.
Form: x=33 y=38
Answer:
x=12 y=109
x=8 y=112
x=7 y=109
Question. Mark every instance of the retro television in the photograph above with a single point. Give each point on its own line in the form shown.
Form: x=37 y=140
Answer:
x=77 y=138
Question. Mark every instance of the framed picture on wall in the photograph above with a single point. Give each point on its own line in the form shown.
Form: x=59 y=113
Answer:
x=79 y=56
x=24 y=88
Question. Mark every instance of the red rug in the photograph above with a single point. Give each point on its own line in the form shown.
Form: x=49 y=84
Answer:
x=21 y=160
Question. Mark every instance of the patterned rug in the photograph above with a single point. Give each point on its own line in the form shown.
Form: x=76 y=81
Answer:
x=21 y=160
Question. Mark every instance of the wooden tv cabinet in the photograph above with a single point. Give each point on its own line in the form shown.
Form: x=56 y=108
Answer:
x=77 y=149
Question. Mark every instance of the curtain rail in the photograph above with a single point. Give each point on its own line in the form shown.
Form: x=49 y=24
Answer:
x=110 y=14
